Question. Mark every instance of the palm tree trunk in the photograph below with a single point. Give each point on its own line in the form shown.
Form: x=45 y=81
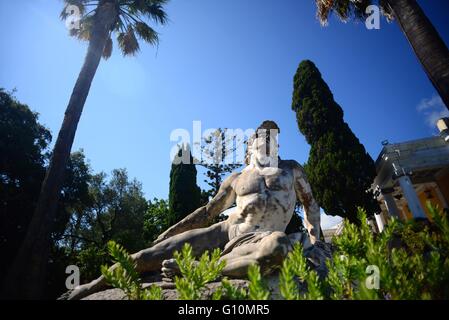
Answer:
x=27 y=275
x=426 y=43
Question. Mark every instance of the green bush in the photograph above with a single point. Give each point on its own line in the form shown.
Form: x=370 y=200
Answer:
x=124 y=276
x=411 y=258
x=195 y=275
x=408 y=260
x=295 y=268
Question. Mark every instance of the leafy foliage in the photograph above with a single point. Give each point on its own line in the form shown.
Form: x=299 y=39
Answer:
x=229 y=292
x=90 y=259
x=195 y=275
x=412 y=259
x=93 y=207
x=339 y=169
x=23 y=153
x=257 y=287
x=115 y=209
x=156 y=219
x=295 y=268
x=296 y=224
x=124 y=276
x=23 y=160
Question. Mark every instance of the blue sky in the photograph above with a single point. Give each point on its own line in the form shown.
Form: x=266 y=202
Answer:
x=224 y=63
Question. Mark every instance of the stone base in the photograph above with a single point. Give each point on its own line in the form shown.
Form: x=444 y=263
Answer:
x=168 y=290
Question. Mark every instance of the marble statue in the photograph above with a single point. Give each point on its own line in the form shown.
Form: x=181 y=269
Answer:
x=264 y=196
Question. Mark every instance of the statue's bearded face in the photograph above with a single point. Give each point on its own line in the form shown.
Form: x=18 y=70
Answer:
x=264 y=150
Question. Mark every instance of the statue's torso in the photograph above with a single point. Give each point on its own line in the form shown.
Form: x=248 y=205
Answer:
x=264 y=202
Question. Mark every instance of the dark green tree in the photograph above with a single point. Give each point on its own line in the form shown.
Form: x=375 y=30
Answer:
x=92 y=208
x=339 y=169
x=115 y=210
x=156 y=219
x=184 y=193
x=73 y=200
x=296 y=224
x=23 y=153
x=23 y=157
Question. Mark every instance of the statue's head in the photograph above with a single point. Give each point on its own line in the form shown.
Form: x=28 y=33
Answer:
x=263 y=144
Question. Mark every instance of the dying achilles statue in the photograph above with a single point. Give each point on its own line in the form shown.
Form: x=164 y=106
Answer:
x=265 y=196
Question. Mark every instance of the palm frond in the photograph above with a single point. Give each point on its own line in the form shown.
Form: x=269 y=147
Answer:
x=127 y=42
x=85 y=30
x=146 y=33
x=324 y=9
x=132 y=19
x=107 y=51
x=359 y=8
x=156 y=13
x=386 y=10
x=151 y=9
x=344 y=9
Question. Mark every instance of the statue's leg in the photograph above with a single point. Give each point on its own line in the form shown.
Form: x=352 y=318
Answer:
x=268 y=254
x=150 y=259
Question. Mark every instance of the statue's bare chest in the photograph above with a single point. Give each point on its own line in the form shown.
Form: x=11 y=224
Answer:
x=253 y=181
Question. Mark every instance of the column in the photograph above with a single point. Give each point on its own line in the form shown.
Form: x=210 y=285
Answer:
x=380 y=221
x=411 y=197
x=390 y=203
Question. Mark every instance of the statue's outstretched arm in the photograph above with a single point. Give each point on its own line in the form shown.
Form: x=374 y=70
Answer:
x=204 y=216
x=304 y=194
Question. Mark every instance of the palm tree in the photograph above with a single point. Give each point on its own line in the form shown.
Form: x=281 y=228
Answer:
x=100 y=19
x=421 y=34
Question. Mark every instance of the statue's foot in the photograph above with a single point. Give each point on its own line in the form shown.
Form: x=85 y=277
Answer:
x=170 y=269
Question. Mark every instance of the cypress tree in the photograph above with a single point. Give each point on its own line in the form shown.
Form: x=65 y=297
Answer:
x=339 y=169
x=184 y=195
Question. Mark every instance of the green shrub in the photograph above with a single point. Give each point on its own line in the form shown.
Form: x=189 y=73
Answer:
x=196 y=274
x=295 y=268
x=257 y=288
x=124 y=276
x=228 y=292
x=410 y=260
